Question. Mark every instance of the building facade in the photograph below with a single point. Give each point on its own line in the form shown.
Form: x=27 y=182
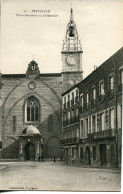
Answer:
x=70 y=129
x=100 y=114
x=34 y=100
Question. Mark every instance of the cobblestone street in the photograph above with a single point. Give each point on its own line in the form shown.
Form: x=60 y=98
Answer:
x=57 y=176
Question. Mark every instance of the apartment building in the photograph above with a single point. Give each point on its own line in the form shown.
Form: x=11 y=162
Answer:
x=70 y=124
x=100 y=111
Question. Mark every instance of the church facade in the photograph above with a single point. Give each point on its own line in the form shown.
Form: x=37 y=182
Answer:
x=32 y=102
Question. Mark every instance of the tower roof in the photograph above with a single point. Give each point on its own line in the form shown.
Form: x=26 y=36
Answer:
x=71 y=41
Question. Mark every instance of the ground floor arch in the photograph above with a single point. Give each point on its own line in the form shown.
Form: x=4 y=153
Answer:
x=30 y=151
x=88 y=156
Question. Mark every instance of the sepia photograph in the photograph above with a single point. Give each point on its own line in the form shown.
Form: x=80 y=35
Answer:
x=61 y=85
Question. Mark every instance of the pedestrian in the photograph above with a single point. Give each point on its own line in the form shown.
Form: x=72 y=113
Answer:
x=42 y=158
x=38 y=158
x=54 y=159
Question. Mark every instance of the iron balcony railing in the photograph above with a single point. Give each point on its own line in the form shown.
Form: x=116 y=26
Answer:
x=102 y=134
x=70 y=140
x=71 y=120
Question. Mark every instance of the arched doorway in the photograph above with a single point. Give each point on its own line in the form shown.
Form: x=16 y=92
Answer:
x=30 y=151
x=103 y=154
x=88 y=157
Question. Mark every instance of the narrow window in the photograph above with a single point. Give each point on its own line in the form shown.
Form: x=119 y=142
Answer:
x=93 y=93
x=87 y=127
x=72 y=113
x=94 y=152
x=68 y=116
x=121 y=76
x=32 y=110
x=102 y=122
x=68 y=103
x=81 y=153
x=72 y=101
x=82 y=129
x=111 y=119
x=50 y=123
x=76 y=96
x=101 y=88
x=111 y=83
x=77 y=112
x=76 y=92
x=14 y=123
x=65 y=102
x=87 y=97
x=93 y=124
x=81 y=100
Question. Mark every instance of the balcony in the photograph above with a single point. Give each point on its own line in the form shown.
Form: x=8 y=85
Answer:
x=83 y=140
x=70 y=141
x=76 y=99
x=68 y=104
x=86 y=105
x=101 y=98
x=102 y=134
x=93 y=102
x=72 y=101
x=71 y=120
x=120 y=88
x=110 y=93
x=81 y=109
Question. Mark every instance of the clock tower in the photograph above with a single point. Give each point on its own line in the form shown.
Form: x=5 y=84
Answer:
x=71 y=56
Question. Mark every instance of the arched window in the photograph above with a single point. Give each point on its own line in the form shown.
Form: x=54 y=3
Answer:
x=32 y=110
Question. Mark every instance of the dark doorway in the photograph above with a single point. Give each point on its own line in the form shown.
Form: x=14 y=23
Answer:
x=103 y=155
x=29 y=152
x=88 y=157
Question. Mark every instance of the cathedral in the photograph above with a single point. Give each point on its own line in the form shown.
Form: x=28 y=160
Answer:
x=30 y=104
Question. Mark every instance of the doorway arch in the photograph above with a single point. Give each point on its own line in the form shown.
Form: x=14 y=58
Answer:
x=29 y=151
x=88 y=157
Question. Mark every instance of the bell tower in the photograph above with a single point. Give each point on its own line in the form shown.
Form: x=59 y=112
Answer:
x=71 y=56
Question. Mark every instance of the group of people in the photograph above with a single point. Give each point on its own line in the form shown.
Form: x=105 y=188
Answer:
x=41 y=158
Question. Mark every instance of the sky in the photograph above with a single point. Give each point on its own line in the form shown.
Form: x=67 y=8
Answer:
x=24 y=38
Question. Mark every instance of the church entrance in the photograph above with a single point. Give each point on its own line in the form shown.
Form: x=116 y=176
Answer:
x=88 y=157
x=30 y=151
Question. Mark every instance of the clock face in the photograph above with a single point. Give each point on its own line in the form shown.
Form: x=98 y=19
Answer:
x=72 y=59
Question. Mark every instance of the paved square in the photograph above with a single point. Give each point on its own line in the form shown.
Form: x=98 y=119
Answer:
x=57 y=176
